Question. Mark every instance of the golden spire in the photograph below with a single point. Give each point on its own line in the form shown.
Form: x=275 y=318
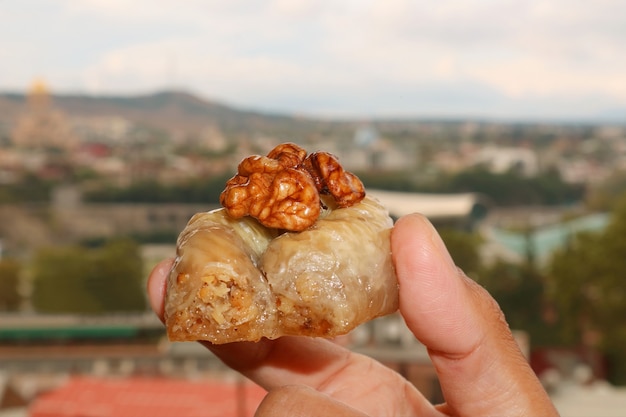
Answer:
x=39 y=87
x=39 y=96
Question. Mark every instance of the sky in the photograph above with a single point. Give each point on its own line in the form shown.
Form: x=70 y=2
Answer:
x=506 y=59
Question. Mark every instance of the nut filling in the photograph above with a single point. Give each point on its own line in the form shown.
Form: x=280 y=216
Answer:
x=298 y=249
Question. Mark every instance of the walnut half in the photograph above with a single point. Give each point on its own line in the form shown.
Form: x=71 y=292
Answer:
x=282 y=190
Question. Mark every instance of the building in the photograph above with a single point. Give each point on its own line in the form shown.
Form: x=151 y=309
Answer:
x=502 y=159
x=462 y=210
x=41 y=126
x=149 y=396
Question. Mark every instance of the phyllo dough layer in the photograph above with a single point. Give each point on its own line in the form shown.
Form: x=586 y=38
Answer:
x=236 y=280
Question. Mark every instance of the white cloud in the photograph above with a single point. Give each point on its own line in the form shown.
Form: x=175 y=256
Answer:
x=306 y=54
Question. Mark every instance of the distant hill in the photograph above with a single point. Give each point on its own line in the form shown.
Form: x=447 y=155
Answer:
x=170 y=110
x=182 y=112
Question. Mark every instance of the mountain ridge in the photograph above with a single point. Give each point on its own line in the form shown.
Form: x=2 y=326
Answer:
x=180 y=111
x=170 y=110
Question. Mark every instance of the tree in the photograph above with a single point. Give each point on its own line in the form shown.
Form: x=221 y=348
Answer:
x=520 y=291
x=117 y=279
x=464 y=248
x=603 y=196
x=59 y=278
x=511 y=188
x=29 y=188
x=81 y=280
x=10 y=298
x=588 y=286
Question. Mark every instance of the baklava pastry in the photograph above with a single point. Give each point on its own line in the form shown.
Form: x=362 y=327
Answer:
x=297 y=249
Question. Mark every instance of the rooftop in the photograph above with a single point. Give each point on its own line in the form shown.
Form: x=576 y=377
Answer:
x=149 y=397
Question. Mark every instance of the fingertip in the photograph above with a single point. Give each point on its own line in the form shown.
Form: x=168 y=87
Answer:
x=414 y=235
x=434 y=299
x=156 y=286
x=463 y=328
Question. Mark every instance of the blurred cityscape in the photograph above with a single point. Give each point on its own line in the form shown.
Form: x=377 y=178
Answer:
x=94 y=190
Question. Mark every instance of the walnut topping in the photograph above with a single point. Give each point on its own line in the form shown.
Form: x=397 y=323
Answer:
x=282 y=190
x=330 y=178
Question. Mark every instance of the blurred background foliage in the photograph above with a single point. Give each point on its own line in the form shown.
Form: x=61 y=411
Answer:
x=10 y=298
x=586 y=282
x=504 y=189
x=577 y=299
x=75 y=279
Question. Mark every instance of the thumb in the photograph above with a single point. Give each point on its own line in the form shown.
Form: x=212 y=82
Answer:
x=480 y=368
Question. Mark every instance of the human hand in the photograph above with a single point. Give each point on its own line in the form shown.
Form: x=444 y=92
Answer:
x=480 y=367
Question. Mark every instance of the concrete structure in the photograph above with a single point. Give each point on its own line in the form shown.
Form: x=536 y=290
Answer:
x=597 y=399
x=463 y=209
x=514 y=233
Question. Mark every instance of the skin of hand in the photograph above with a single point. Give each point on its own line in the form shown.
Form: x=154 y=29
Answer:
x=479 y=365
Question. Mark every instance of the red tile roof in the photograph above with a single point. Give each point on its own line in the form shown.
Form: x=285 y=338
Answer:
x=149 y=397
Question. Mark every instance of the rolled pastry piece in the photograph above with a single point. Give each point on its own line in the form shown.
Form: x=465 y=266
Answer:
x=236 y=280
x=328 y=279
x=215 y=291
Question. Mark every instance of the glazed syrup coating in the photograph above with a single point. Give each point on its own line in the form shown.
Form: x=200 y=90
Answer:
x=282 y=190
x=236 y=280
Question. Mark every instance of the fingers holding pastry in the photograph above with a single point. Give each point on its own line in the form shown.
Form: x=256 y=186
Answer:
x=480 y=367
x=298 y=249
